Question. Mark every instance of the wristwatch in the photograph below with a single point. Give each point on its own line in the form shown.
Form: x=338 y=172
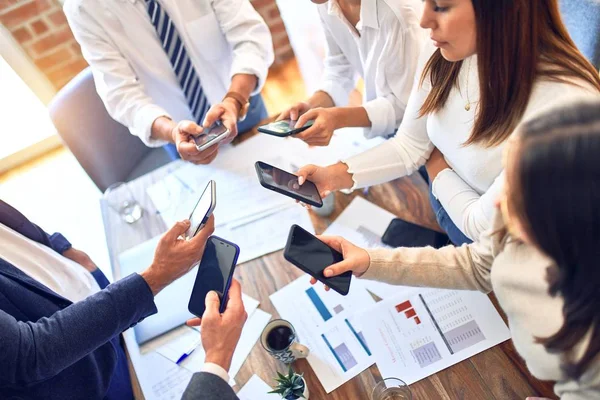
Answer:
x=242 y=101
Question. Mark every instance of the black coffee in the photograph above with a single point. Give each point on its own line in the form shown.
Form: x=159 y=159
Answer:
x=280 y=337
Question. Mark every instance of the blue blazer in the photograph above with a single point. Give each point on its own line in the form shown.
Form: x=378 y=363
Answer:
x=51 y=348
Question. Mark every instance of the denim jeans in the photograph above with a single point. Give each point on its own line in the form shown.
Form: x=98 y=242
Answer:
x=445 y=222
x=256 y=113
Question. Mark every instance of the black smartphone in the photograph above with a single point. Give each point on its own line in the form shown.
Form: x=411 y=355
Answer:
x=400 y=233
x=284 y=128
x=215 y=272
x=312 y=256
x=283 y=182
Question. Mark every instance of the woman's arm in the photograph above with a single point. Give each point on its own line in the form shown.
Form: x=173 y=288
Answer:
x=471 y=213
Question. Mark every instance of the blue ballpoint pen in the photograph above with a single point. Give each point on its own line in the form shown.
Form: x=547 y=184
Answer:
x=187 y=353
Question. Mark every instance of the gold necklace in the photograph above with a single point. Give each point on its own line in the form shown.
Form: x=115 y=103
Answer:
x=468 y=105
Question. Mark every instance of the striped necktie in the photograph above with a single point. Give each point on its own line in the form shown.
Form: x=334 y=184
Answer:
x=181 y=62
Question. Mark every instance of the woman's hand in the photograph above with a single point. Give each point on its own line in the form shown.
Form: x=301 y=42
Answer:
x=356 y=259
x=321 y=131
x=328 y=179
x=295 y=111
x=436 y=164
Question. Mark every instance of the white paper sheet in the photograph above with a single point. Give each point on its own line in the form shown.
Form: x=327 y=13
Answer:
x=175 y=343
x=257 y=389
x=159 y=378
x=328 y=326
x=421 y=331
x=256 y=219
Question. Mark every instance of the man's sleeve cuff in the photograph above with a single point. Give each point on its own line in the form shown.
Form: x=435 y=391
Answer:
x=142 y=126
x=251 y=64
x=217 y=370
x=336 y=91
x=382 y=117
x=59 y=243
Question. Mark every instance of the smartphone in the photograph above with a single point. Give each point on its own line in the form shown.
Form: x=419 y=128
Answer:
x=312 y=256
x=203 y=209
x=400 y=233
x=285 y=183
x=215 y=272
x=211 y=136
x=284 y=128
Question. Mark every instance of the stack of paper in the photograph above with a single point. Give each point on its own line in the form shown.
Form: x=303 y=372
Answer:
x=416 y=332
x=156 y=365
x=257 y=389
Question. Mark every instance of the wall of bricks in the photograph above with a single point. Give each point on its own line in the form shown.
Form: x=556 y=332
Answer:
x=41 y=28
x=281 y=43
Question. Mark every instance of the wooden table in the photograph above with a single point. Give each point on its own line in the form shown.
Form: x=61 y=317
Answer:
x=497 y=373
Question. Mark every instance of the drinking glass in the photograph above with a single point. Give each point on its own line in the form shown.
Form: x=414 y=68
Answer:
x=391 y=389
x=120 y=198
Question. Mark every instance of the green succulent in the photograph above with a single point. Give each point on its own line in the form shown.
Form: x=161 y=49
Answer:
x=291 y=386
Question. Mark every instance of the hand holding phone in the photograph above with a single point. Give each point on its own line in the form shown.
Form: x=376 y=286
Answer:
x=203 y=209
x=211 y=136
x=284 y=127
x=215 y=273
x=313 y=256
x=285 y=183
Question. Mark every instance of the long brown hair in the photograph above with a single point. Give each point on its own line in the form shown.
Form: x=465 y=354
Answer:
x=517 y=42
x=555 y=193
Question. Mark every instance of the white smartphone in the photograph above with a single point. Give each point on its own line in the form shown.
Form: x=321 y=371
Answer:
x=203 y=209
x=211 y=136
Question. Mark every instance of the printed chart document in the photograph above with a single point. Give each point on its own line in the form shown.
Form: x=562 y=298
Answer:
x=421 y=331
x=257 y=389
x=329 y=327
x=247 y=214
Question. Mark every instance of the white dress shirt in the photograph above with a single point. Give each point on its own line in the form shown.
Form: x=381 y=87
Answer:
x=59 y=274
x=384 y=52
x=133 y=74
x=469 y=189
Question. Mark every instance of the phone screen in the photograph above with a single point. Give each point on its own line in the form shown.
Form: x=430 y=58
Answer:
x=202 y=209
x=214 y=273
x=211 y=134
x=285 y=127
x=310 y=254
x=288 y=183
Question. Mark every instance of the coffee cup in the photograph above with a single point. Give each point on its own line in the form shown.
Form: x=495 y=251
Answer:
x=280 y=340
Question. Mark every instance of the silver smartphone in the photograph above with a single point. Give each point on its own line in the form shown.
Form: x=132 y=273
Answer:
x=203 y=209
x=211 y=136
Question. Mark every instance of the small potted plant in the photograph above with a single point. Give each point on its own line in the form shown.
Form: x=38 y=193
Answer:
x=291 y=386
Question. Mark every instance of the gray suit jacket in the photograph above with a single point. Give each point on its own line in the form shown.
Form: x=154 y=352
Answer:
x=207 y=386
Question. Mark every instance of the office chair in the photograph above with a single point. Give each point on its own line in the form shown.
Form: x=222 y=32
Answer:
x=582 y=18
x=106 y=150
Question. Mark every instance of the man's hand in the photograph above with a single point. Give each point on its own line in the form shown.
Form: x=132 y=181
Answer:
x=227 y=112
x=221 y=332
x=295 y=111
x=175 y=256
x=80 y=258
x=182 y=137
x=436 y=164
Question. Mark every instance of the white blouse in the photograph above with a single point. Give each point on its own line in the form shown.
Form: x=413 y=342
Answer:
x=469 y=190
x=384 y=54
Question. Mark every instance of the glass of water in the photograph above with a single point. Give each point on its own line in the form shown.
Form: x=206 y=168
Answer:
x=391 y=389
x=120 y=199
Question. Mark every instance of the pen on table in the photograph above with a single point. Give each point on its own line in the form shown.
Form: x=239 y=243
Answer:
x=188 y=352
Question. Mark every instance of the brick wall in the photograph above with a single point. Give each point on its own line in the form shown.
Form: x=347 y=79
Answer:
x=41 y=29
x=270 y=12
